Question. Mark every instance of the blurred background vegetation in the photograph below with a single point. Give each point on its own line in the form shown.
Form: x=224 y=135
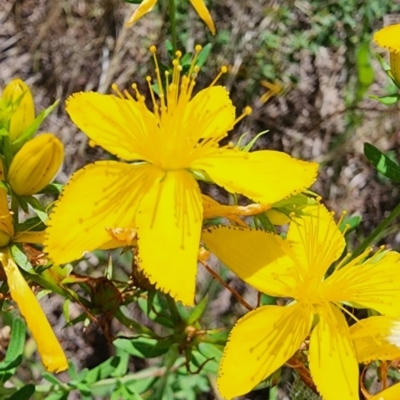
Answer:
x=319 y=53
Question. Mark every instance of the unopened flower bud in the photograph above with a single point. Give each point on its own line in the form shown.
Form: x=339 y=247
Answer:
x=6 y=222
x=36 y=164
x=22 y=109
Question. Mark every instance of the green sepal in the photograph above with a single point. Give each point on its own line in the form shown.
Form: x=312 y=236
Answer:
x=197 y=311
x=33 y=128
x=37 y=206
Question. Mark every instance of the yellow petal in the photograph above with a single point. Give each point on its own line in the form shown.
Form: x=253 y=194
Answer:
x=49 y=348
x=331 y=355
x=210 y=113
x=145 y=7
x=257 y=257
x=388 y=38
x=29 y=237
x=6 y=222
x=316 y=240
x=373 y=284
x=115 y=124
x=168 y=229
x=213 y=209
x=263 y=176
x=261 y=342
x=391 y=393
x=204 y=14
x=98 y=197
x=376 y=338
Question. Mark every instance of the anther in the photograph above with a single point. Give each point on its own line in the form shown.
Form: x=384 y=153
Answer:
x=198 y=48
x=153 y=49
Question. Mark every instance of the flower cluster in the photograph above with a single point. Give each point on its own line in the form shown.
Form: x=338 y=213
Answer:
x=28 y=164
x=150 y=201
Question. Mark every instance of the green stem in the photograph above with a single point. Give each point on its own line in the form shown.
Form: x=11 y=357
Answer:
x=172 y=21
x=372 y=237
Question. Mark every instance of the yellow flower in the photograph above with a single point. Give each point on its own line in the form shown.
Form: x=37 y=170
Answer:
x=264 y=339
x=19 y=99
x=389 y=38
x=157 y=194
x=49 y=348
x=35 y=164
x=147 y=5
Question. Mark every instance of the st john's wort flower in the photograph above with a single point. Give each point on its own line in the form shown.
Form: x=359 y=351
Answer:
x=157 y=194
x=264 y=339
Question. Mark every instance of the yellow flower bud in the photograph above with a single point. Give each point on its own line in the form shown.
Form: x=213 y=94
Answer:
x=20 y=100
x=36 y=164
x=6 y=222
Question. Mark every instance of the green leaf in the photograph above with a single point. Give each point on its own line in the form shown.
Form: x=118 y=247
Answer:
x=58 y=396
x=143 y=347
x=249 y=145
x=51 y=378
x=265 y=222
x=382 y=162
x=32 y=129
x=198 y=311
x=364 y=66
x=102 y=371
x=203 y=55
x=21 y=259
x=16 y=347
x=38 y=208
x=387 y=100
x=133 y=1
x=25 y=393
x=52 y=188
x=351 y=223
x=3 y=132
x=32 y=224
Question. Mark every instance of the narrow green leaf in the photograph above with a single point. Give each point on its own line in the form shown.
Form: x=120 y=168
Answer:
x=387 y=100
x=382 y=162
x=143 y=347
x=16 y=347
x=52 y=188
x=203 y=55
x=351 y=223
x=32 y=224
x=364 y=66
x=25 y=393
x=198 y=311
x=32 y=129
x=102 y=371
x=38 y=207
x=21 y=259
